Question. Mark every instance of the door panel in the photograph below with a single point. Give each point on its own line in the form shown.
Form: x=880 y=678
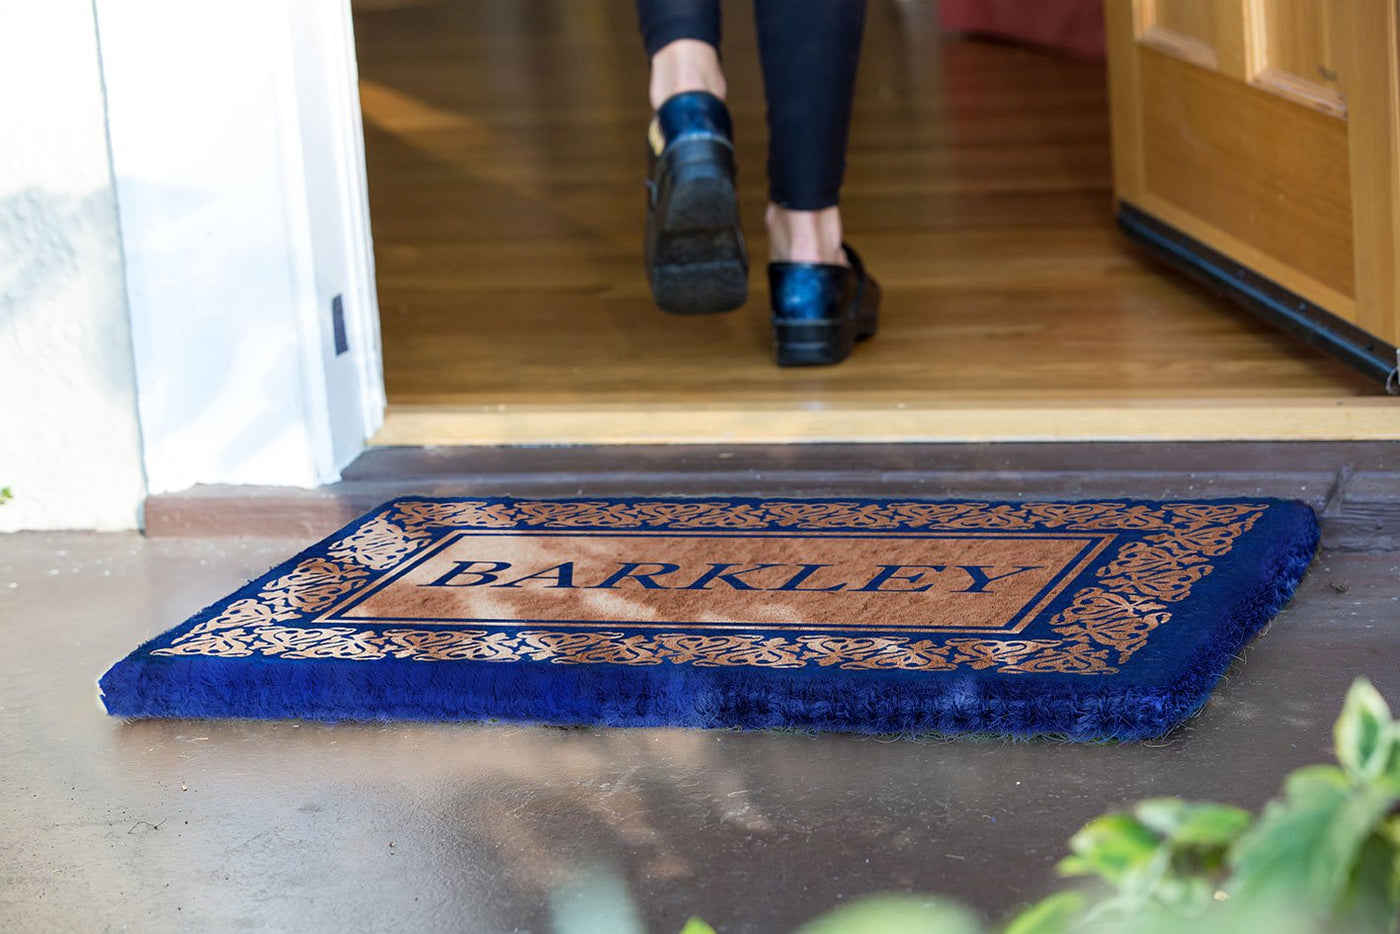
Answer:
x=1266 y=130
x=1258 y=167
x=1296 y=53
x=1186 y=29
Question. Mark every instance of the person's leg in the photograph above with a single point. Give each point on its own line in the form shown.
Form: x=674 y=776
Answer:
x=664 y=21
x=694 y=248
x=823 y=300
x=682 y=41
x=685 y=65
x=809 y=51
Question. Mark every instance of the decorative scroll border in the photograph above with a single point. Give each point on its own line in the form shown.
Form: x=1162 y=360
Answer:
x=1103 y=626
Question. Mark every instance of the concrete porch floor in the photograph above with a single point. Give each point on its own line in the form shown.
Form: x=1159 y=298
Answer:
x=285 y=826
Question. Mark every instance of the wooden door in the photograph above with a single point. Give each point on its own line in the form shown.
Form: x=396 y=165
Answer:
x=1255 y=144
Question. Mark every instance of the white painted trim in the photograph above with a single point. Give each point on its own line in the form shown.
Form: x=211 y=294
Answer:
x=239 y=165
x=362 y=306
x=328 y=127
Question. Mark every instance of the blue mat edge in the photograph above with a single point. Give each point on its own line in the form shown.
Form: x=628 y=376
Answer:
x=619 y=695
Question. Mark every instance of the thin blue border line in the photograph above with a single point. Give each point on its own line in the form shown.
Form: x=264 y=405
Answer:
x=453 y=534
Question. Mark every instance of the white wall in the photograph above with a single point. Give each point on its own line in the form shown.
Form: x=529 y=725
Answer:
x=69 y=443
x=239 y=169
x=173 y=265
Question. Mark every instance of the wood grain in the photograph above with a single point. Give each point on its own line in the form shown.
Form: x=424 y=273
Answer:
x=505 y=152
x=1259 y=166
x=993 y=417
x=1365 y=33
x=1298 y=53
x=1189 y=21
x=1285 y=164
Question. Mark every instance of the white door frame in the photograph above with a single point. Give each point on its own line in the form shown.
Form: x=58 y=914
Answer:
x=239 y=162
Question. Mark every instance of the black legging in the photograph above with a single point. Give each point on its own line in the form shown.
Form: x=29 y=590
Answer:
x=809 y=50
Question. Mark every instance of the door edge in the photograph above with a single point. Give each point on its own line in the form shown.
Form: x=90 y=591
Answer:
x=1316 y=326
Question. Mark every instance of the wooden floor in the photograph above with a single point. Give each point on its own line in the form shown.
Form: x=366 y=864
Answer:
x=505 y=149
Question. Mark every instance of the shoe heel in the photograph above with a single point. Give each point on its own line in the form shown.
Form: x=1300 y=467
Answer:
x=698 y=262
x=820 y=310
x=812 y=343
x=699 y=192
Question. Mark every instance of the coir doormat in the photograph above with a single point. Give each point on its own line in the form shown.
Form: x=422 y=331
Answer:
x=1089 y=619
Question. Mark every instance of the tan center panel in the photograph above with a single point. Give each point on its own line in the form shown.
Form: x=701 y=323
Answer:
x=845 y=582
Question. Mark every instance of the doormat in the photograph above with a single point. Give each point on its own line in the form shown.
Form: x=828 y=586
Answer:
x=1089 y=620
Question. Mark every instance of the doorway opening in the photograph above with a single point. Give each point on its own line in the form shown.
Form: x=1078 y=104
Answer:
x=505 y=158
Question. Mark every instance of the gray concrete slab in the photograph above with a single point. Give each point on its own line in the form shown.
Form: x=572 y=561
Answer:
x=286 y=826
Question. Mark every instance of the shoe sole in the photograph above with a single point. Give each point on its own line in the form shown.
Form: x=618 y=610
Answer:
x=696 y=259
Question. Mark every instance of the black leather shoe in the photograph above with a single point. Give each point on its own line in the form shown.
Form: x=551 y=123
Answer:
x=695 y=255
x=820 y=310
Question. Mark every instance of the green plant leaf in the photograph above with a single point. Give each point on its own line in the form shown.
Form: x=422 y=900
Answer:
x=1113 y=847
x=1364 y=734
x=1373 y=892
x=1057 y=914
x=1348 y=840
x=1163 y=815
x=1274 y=857
x=1280 y=917
x=896 y=914
x=1315 y=783
x=1308 y=843
x=697 y=926
x=1074 y=866
x=1187 y=895
x=1390 y=770
x=1193 y=824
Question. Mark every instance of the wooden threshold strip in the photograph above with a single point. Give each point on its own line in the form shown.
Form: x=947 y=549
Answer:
x=1348 y=419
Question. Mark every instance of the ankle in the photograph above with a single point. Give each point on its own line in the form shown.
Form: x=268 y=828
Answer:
x=805 y=236
x=685 y=65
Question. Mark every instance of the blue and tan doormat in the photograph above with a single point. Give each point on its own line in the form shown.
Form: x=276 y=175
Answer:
x=1088 y=620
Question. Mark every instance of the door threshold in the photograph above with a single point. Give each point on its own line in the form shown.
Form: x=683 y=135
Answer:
x=1358 y=418
x=1354 y=487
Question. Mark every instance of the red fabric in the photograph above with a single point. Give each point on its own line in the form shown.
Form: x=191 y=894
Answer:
x=1075 y=26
